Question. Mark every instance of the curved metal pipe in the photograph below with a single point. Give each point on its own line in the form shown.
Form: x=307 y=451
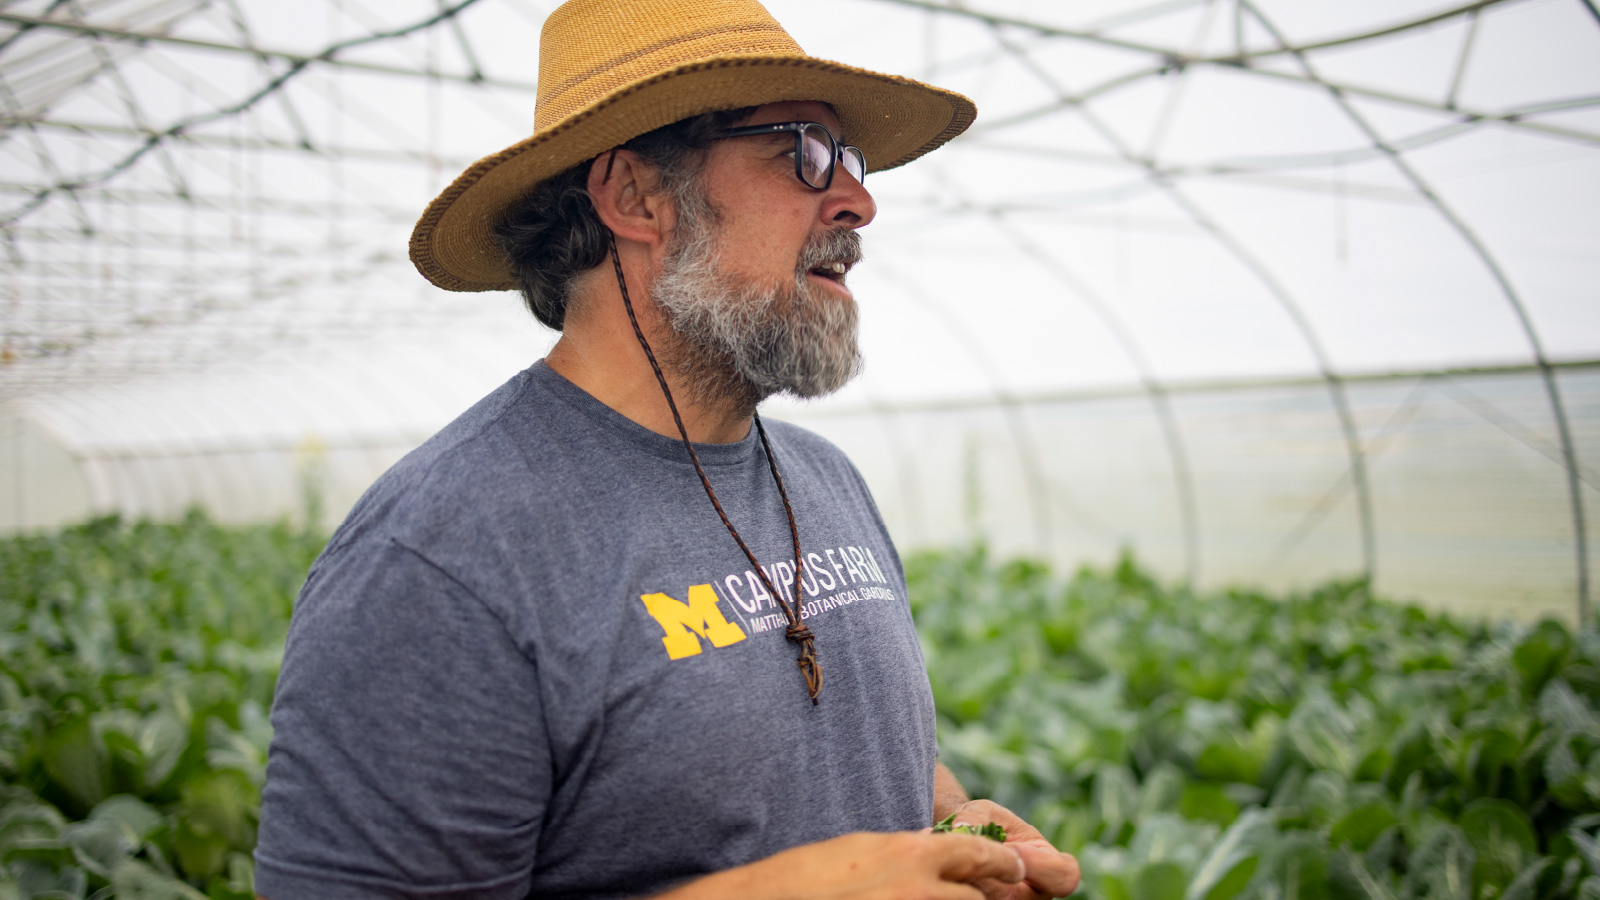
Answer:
x=1341 y=403
x=1027 y=453
x=1547 y=373
x=1160 y=401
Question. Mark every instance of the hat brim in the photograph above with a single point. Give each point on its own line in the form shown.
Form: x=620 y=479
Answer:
x=892 y=119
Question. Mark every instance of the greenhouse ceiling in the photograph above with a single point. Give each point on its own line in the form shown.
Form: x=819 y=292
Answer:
x=1360 y=218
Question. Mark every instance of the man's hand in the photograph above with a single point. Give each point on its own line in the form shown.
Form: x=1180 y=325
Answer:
x=1049 y=873
x=868 y=866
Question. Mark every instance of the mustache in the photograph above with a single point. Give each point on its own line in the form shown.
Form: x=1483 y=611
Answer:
x=834 y=245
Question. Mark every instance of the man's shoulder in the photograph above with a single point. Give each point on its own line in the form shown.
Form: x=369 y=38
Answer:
x=808 y=448
x=465 y=468
x=474 y=440
x=800 y=439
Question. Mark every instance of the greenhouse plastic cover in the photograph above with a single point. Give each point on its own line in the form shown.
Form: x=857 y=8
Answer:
x=1265 y=292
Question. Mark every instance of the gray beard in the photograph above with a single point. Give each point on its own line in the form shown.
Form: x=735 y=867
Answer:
x=736 y=341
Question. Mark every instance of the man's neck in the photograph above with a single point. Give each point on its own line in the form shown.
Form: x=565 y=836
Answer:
x=601 y=354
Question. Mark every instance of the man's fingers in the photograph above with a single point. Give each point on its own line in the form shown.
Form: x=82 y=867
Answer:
x=968 y=858
x=1049 y=872
x=949 y=890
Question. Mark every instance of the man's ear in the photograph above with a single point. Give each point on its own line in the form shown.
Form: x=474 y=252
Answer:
x=624 y=192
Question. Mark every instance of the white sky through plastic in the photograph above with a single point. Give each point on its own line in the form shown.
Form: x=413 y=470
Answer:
x=1157 y=197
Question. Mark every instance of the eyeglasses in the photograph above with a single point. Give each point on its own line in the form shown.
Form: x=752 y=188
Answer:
x=815 y=151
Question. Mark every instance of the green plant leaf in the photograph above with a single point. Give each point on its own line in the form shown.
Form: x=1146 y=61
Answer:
x=241 y=873
x=1373 y=765
x=1207 y=802
x=133 y=880
x=1218 y=876
x=1233 y=882
x=1065 y=826
x=1526 y=885
x=1323 y=734
x=1167 y=837
x=219 y=890
x=1227 y=759
x=137 y=819
x=244 y=749
x=1588 y=849
x=200 y=854
x=76 y=761
x=1361 y=826
x=1442 y=867
x=1350 y=876
x=1161 y=791
x=222 y=802
x=1411 y=750
x=1502 y=836
x=1496 y=755
x=99 y=845
x=1387 y=852
x=1115 y=797
x=30 y=823
x=1300 y=867
x=1563 y=711
x=217 y=814
x=1540 y=654
x=163 y=737
x=39 y=878
x=1325 y=795
x=1563 y=775
x=1115 y=888
x=1160 y=881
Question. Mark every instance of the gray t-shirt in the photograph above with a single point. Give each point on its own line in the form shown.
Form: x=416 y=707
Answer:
x=533 y=662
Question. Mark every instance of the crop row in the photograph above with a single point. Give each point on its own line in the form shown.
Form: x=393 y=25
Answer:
x=137 y=663
x=1325 y=744
x=1186 y=746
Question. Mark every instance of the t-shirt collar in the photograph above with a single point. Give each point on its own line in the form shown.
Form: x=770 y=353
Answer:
x=630 y=433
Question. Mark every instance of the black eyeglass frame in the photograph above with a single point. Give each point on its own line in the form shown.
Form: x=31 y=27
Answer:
x=836 y=156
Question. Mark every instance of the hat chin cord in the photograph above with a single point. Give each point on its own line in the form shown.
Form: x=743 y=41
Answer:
x=797 y=632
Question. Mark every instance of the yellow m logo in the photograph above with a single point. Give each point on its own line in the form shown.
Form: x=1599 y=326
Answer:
x=682 y=622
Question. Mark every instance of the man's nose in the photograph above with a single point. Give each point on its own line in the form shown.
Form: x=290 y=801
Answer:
x=848 y=204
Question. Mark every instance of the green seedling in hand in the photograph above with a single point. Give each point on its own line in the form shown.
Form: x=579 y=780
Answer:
x=994 y=831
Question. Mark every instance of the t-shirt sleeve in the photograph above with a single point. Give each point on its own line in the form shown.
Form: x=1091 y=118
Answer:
x=409 y=757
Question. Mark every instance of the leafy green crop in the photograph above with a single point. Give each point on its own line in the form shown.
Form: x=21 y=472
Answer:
x=137 y=663
x=1325 y=744
x=1230 y=745
x=991 y=830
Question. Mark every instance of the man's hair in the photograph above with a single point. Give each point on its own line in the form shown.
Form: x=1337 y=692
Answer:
x=553 y=234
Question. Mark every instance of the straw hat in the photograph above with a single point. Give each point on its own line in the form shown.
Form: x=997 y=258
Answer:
x=610 y=70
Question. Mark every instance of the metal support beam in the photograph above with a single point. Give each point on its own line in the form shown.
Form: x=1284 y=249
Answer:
x=269 y=89
x=1535 y=343
x=327 y=57
x=224 y=142
x=1178 y=57
x=1275 y=287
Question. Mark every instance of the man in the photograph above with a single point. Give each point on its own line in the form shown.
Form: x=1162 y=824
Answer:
x=554 y=651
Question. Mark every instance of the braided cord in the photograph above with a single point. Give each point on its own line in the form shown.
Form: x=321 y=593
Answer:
x=797 y=632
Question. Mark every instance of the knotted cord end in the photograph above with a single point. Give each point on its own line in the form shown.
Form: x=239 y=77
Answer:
x=809 y=668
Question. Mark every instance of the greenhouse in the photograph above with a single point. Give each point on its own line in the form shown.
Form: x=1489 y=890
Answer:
x=1231 y=391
